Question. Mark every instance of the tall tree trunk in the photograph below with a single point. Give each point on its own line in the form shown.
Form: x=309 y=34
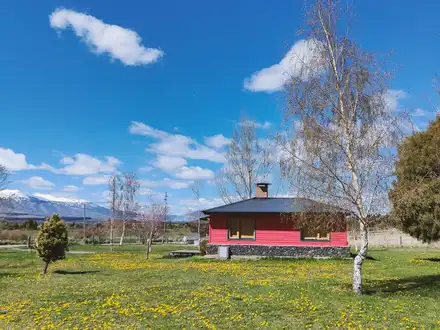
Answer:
x=360 y=258
x=123 y=233
x=46 y=264
x=111 y=235
x=148 y=249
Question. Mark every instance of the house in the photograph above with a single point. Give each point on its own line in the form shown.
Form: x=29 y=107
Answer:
x=266 y=226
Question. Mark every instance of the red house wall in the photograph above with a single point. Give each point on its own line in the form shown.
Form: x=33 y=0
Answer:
x=270 y=229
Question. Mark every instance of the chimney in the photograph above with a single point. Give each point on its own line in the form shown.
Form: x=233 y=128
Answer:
x=262 y=190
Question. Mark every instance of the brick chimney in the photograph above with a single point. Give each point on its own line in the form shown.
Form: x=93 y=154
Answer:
x=262 y=190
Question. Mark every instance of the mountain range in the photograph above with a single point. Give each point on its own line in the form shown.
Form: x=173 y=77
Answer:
x=14 y=205
x=17 y=205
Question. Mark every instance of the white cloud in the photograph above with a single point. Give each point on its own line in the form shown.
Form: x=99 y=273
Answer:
x=70 y=188
x=217 y=141
x=177 y=167
x=151 y=193
x=83 y=164
x=38 y=183
x=120 y=43
x=264 y=125
x=142 y=129
x=173 y=184
x=146 y=169
x=95 y=180
x=256 y=124
x=169 y=163
x=273 y=78
x=392 y=98
x=419 y=113
x=194 y=173
x=14 y=161
x=176 y=145
x=189 y=205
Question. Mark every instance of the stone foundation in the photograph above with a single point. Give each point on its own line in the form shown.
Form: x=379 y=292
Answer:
x=283 y=251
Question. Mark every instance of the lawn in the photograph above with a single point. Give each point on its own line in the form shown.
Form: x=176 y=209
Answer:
x=122 y=290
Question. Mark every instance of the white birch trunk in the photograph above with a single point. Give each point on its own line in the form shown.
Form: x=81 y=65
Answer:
x=359 y=259
x=121 y=241
x=111 y=235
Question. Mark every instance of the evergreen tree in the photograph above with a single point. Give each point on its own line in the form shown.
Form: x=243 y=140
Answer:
x=415 y=195
x=52 y=241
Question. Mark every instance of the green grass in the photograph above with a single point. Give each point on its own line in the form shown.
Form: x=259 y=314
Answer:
x=122 y=290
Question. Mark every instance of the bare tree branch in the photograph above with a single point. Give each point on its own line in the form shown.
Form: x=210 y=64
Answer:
x=247 y=161
x=342 y=149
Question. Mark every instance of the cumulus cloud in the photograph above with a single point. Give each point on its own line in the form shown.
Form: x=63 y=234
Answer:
x=70 y=188
x=293 y=64
x=151 y=193
x=256 y=124
x=14 y=161
x=120 y=43
x=217 y=141
x=83 y=164
x=38 y=183
x=194 y=173
x=173 y=184
x=169 y=163
x=96 y=180
x=176 y=145
x=187 y=204
x=177 y=167
x=392 y=98
x=419 y=113
x=146 y=169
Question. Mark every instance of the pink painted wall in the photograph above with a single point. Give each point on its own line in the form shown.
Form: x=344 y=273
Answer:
x=270 y=230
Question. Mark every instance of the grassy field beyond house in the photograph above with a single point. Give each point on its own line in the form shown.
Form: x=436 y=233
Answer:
x=122 y=290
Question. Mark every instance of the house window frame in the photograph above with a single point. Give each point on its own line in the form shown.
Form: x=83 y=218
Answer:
x=314 y=239
x=239 y=230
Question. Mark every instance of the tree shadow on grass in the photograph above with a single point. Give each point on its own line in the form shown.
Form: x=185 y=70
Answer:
x=429 y=259
x=9 y=275
x=69 y=272
x=353 y=255
x=428 y=285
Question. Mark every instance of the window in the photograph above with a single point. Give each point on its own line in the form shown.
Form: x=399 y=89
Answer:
x=241 y=229
x=310 y=234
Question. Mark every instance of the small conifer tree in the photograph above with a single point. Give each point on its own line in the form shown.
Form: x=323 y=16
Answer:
x=52 y=240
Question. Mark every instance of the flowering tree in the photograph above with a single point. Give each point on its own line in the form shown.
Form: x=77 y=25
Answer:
x=149 y=224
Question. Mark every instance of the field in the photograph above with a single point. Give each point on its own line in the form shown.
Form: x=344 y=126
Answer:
x=122 y=290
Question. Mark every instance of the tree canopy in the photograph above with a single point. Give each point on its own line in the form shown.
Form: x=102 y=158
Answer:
x=415 y=195
x=52 y=240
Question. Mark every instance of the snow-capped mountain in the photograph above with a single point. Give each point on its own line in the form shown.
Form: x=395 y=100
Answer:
x=15 y=202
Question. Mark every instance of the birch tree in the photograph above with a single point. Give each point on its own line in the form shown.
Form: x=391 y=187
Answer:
x=247 y=161
x=4 y=175
x=114 y=202
x=341 y=149
x=195 y=188
x=129 y=187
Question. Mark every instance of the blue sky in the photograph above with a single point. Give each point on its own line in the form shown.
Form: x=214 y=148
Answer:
x=72 y=85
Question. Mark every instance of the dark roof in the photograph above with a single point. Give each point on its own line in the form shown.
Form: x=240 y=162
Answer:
x=274 y=205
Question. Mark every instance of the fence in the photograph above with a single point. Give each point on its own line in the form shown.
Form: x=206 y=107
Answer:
x=390 y=238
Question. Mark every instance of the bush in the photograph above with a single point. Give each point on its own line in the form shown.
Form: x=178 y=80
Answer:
x=52 y=240
x=202 y=247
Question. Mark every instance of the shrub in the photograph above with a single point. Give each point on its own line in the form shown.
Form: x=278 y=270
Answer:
x=202 y=247
x=52 y=240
